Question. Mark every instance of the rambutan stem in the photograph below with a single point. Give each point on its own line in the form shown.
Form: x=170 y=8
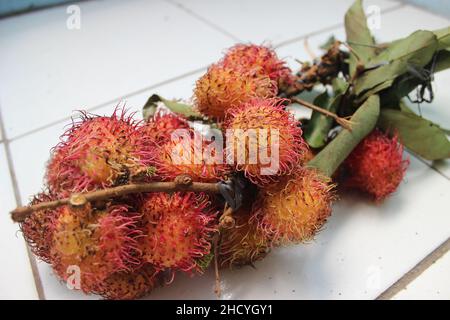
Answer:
x=342 y=121
x=365 y=120
x=21 y=213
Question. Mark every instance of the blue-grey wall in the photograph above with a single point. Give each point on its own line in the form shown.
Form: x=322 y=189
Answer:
x=8 y=7
x=441 y=7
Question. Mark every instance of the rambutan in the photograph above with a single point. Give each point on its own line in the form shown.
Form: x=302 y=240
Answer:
x=160 y=127
x=37 y=228
x=244 y=243
x=376 y=166
x=222 y=88
x=201 y=161
x=97 y=152
x=178 y=230
x=99 y=243
x=276 y=147
x=128 y=285
x=293 y=210
x=260 y=59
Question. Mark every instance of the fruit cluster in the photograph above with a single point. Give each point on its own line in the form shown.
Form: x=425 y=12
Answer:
x=127 y=245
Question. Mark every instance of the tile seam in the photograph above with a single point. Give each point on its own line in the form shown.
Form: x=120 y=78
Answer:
x=31 y=258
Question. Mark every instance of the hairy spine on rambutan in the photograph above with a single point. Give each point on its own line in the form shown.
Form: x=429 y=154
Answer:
x=294 y=210
x=203 y=161
x=261 y=59
x=178 y=229
x=376 y=166
x=222 y=88
x=245 y=243
x=37 y=228
x=99 y=243
x=277 y=135
x=97 y=152
x=161 y=126
x=128 y=285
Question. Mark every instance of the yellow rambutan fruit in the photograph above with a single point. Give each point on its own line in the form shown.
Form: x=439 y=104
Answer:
x=97 y=243
x=178 y=229
x=267 y=140
x=244 y=243
x=294 y=210
x=222 y=88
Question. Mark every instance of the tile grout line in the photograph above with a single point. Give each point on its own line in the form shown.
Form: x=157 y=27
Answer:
x=104 y=104
x=184 y=75
x=415 y=272
x=427 y=164
x=204 y=20
x=329 y=28
x=31 y=258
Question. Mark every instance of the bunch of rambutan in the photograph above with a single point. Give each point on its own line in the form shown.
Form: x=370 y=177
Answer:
x=123 y=246
x=120 y=247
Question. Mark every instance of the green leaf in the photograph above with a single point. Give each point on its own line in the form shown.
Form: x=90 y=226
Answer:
x=339 y=86
x=316 y=131
x=443 y=37
x=442 y=60
x=419 y=135
x=409 y=48
x=327 y=45
x=318 y=127
x=416 y=50
x=364 y=121
x=183 y=109
x=406 y=83
x=205 y=261
x=358 y=35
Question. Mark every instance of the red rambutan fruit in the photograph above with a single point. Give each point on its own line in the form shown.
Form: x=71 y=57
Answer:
x=37 y=228
x=260 y=59
x=277 y=137
x=128 y=285
x=178 y=230
x=376 y=166
x=201 y=161
x=160 y=127
x=99 y=243
x=244 y=243
x=97 y=152
x=222 y=88
x=293 y=210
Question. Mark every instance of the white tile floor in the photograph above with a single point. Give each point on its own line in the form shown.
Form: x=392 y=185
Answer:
x=127 y=51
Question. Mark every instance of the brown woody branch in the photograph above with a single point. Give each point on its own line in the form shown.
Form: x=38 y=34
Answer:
x=181 y=183
x=342 y=121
